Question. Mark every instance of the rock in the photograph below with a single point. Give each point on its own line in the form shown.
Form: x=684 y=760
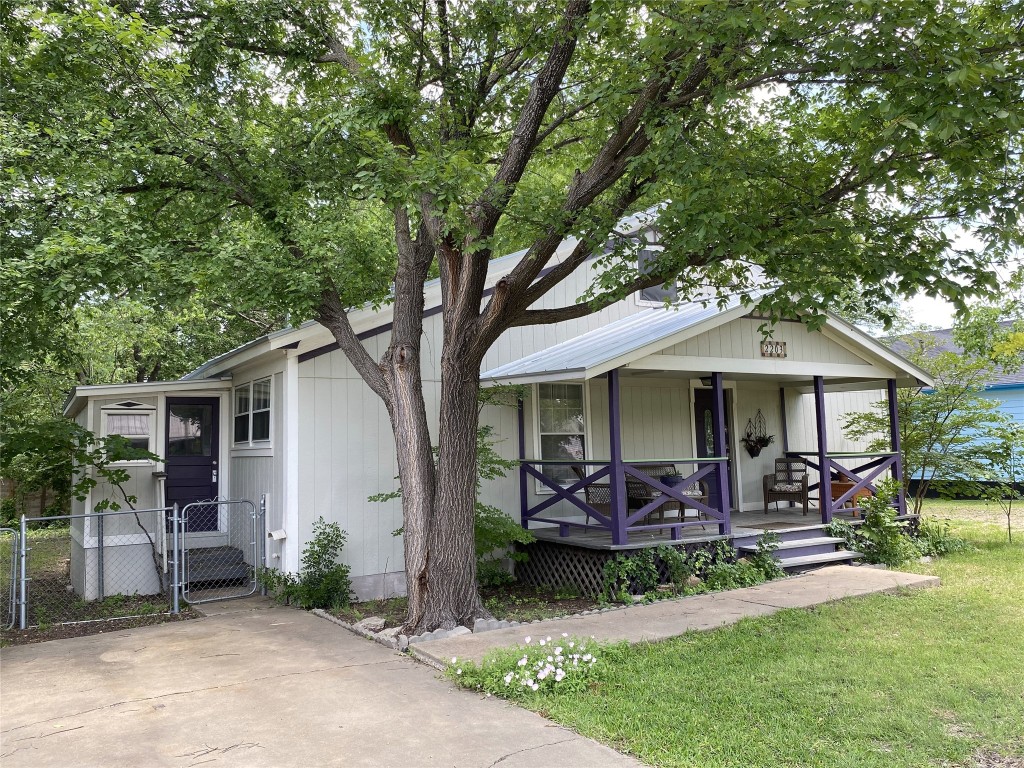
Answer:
x=390 y=633
x=371 y=624
x=925 y=559
x=403 y=642
x=693 y=581
x=459 y=631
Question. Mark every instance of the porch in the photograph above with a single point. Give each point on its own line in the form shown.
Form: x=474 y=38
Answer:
x=666 y=381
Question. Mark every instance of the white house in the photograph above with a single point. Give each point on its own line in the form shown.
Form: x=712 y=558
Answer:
x=634 y=385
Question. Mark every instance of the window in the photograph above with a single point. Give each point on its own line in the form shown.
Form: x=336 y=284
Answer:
x=135 y=427
x=252 y=412
x=659 y=294
x=562 y=428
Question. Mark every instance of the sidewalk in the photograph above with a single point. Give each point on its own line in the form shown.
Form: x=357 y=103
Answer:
x=669 y=618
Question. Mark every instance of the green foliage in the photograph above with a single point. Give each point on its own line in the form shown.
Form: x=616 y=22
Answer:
x=1005 y=455
x=843 y=529
x=678 y=566
x=883 y=538
x=61 y=455
x=944 y=430
x=322 y=581
x=495 y=534
x=935 y=539
x=561 y=666
x=764 y=558
x=722 y=575
x=629 y=575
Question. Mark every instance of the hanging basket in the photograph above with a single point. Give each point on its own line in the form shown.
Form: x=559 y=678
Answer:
x=755 y=436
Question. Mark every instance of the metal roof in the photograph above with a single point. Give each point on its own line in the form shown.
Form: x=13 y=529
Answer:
x=604 y=348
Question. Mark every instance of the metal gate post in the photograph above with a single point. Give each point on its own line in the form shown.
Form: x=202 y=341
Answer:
x=23 y=588
x=262 y=539
x=99 y=554
x=175 y=545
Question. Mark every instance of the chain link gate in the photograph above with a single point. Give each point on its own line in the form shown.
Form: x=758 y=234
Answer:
x=220 y=543
x=72 y=569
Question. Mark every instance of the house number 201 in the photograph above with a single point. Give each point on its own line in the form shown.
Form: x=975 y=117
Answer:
x=773 y=349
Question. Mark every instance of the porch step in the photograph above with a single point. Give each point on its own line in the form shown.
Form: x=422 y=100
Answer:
x=809 y=561
x=815 y=541
x=216 y=564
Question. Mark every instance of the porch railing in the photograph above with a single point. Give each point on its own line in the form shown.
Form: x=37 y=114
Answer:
x=860 y=477
x=619 y=519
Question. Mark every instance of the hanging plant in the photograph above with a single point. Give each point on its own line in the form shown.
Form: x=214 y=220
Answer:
x=755 y=436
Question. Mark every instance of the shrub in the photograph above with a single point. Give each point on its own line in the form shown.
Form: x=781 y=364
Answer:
x=629 y=575
x=732 y=575
x=322 y=582
x=764 y=559
x=882 y=538
x=934 y=539
x=565 y=664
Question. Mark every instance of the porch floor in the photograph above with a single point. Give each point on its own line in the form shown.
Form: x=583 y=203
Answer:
x=743 y=524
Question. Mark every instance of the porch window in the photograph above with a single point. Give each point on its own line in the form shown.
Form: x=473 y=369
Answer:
x=252 y=412
x=135 y=427
x=562 y=428
x=658 y=294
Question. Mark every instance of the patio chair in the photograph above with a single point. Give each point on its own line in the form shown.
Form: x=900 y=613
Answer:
x=639 y=493
x=787 y=483
x=597 y=495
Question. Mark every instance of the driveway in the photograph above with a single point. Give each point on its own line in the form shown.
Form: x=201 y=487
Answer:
x=256 y=684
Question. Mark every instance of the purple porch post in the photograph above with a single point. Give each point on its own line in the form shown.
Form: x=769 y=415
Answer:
x=894 y=432
x=825 y=483
x=523 y=501
x=722 y=470
x=616 y=475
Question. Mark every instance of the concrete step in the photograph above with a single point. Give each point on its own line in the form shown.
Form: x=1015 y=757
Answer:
x=215 y=564
x=797 y=544
x=810 y=561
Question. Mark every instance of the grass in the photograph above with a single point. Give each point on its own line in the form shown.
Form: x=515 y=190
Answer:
x=928 y=678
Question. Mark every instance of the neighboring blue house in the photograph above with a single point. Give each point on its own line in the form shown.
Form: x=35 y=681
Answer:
x=1005 y=388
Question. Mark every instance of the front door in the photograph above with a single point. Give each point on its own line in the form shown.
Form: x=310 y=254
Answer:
x=704 y=427
x=192 y=451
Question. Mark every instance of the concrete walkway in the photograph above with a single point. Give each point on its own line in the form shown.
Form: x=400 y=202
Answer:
x=255 y=684
x=658 y=621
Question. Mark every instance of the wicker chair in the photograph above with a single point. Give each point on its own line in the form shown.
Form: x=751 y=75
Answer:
x=597 y=495
x=787 y=483
x=639 y=493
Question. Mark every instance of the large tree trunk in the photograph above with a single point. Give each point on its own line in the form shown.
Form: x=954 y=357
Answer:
x=451 y=596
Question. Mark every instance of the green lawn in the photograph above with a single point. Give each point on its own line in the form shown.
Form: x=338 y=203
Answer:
x=929 y=678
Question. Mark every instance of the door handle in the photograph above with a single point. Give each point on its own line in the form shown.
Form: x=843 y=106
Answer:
x=214 y=478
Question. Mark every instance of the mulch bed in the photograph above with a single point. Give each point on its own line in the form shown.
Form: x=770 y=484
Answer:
x=515 y=602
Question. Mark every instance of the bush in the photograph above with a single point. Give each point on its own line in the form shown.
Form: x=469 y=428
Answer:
x=322 y=582
x=882 y=538
x=565 y=664
x=629 y=575
x=934 y=539
x=732 y=576
x=764 y=559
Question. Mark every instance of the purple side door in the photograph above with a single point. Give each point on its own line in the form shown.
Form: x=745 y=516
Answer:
x=193 y=438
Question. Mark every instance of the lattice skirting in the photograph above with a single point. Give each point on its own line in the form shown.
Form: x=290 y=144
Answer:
x=553 y=564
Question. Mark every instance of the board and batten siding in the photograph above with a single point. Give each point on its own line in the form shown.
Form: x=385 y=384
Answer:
x=258 y=471
x=347 y=450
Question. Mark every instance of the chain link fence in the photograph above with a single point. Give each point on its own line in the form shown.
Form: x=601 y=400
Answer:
x=126 y=564
x=8 y=577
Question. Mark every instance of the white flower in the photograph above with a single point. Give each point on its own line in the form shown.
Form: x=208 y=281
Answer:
x=454 y=659
x=572 y=644
x=527 y=641
x=559 y=675
x=541 y=641
x=535 y=686
x=508 y=678
x=565 y=634
x=458 y=671
x=551 y=658
x=558 y=650
x=542 y=674
x=549 y=639
x=587 y=657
